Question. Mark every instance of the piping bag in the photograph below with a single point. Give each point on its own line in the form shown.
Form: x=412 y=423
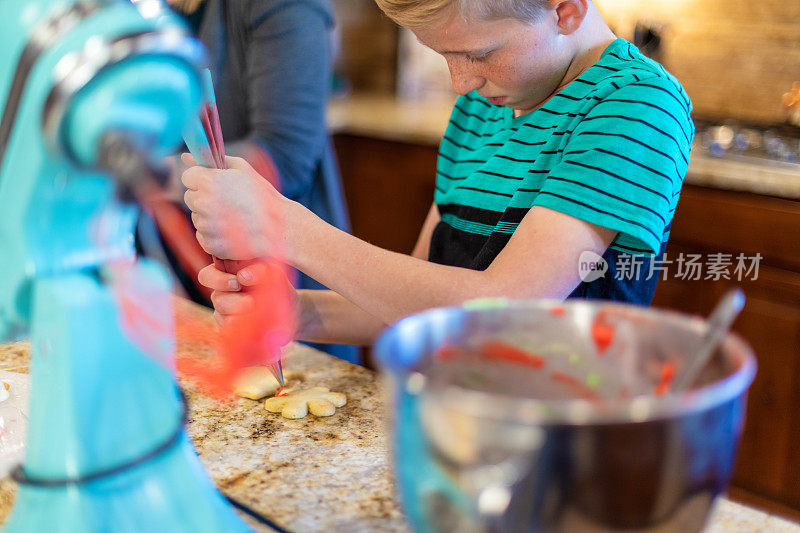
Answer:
x=254 y=338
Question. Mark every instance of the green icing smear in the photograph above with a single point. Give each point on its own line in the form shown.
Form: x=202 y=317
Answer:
x=485 y=303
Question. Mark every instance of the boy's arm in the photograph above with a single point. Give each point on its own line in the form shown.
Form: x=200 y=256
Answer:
x=423 y=246
x=540 y=261
x=329 y=317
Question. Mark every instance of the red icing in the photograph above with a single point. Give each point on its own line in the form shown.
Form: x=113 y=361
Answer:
x=506 y=352
x=667 y=374
x=281 y=392
x=447 y=352
x=602 y=333
x=558 y=311
x=574 y=384
x=251 y=339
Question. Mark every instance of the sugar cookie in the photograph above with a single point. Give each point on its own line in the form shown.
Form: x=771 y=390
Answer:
x=296 y=404
x=256 y=382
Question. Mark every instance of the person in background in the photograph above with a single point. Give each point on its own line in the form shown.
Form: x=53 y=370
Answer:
x=271 y=62
x=567 y=146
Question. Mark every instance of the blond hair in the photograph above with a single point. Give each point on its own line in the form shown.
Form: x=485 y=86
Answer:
x=418 y=13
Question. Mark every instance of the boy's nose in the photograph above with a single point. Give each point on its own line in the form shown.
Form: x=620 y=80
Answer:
x=465 y=79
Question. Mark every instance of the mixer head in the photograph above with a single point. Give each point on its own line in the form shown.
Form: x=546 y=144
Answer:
x=79 y=79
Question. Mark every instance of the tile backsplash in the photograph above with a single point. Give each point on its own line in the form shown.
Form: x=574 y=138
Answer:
x=368 y=41
x=734 y=57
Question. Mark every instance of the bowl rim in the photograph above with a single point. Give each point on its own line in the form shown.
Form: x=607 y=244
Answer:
x=575 y=411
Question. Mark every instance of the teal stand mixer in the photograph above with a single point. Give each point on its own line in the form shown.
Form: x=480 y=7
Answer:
x=89 y=90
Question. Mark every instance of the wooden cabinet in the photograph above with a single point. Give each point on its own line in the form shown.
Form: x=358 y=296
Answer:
x=390 y=185
x=710 y=221
x=389 y=188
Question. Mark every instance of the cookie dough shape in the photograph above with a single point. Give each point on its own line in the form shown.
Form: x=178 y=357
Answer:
x=256 y=382
x=296 y=404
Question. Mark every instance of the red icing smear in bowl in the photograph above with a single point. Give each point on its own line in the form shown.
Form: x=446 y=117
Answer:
x=602 y=333
x=447 y=352
x=501 y=351
x=573 y=383
x=512 y=354
x=667 y=374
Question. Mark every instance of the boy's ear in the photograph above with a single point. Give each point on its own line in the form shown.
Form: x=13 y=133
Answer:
x=569 y=14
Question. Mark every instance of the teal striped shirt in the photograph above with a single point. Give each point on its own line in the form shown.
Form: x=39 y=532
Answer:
x=611 y=148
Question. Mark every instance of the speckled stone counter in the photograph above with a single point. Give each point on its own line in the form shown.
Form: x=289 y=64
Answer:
x=389 y=118
x=315 y=474
x=311 y=474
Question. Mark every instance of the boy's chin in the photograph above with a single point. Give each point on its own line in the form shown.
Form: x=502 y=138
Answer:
x=522 y=107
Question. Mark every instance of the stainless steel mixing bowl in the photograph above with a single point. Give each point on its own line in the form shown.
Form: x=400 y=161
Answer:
x=483 y=444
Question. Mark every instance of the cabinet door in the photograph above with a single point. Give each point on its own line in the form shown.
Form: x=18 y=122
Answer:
x=767 y=460
x=389 y=188
x=732 y=221
x=709 y=222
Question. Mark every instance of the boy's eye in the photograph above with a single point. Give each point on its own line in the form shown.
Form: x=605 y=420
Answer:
x=481 y=57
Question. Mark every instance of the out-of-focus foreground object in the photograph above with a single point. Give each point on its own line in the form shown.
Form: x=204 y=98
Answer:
x=91 y=92
x=549 y=416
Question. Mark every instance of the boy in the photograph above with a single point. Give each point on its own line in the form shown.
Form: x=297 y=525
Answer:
x=566 y=143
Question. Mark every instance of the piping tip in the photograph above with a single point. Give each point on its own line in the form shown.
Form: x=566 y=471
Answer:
x=277 y=370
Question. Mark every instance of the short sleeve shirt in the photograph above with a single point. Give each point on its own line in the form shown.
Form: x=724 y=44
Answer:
x=611 y=148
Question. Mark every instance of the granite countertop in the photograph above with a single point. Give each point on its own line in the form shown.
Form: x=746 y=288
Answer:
x=311 y=474
x=315 y=474
x=390 y=118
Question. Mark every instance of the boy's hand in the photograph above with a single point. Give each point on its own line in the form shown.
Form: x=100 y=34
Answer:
x=228 y=296
x=237 y=213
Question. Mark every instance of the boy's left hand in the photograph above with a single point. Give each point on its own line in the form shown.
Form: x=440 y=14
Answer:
x=229 y=295
x=236 y=212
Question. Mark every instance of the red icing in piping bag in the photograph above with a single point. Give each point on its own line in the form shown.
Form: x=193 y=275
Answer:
x=255 y=337
x=249 y=339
